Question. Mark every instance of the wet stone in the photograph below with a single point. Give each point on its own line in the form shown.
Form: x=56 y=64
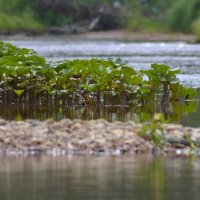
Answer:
x=88 y=137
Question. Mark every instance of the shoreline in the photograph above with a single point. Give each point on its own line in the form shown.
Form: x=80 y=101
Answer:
x=116 y=35
x=94 y=137
x=124 y=35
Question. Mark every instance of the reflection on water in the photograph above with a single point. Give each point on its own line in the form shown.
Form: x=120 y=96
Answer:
x=95 y=178
x=175 y=113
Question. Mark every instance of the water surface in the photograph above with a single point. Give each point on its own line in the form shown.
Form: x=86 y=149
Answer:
x=99 y=178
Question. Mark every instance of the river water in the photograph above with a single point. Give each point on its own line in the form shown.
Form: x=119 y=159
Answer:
x=99 y=178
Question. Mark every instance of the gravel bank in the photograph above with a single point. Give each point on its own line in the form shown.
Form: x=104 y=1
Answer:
x=89 y=137
x=137 y=36
x=118 y=35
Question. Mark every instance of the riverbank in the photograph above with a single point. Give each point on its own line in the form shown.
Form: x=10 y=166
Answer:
x=119 y=35
x=138 y=36
x=97 y=137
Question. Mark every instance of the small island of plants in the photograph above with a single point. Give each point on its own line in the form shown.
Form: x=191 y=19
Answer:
x=26 y=77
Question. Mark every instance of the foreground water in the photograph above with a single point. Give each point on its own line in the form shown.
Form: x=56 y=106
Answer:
x=99 y=178
x=139 y=55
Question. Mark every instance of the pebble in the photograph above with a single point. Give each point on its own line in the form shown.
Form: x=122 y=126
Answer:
x=98 y=137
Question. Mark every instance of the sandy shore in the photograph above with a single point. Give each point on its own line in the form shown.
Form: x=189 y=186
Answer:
x=119 y=35
x=137 y=36
x=97 y=137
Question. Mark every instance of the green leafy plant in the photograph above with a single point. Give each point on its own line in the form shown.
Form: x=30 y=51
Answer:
x=188 y=138
x=153 y=130
x=164 y=85
x=88 y=82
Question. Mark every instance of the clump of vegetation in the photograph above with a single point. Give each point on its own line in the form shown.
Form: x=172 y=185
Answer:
x=164 y=85
x=26 y=77
x=153 y=130
x=191 y=143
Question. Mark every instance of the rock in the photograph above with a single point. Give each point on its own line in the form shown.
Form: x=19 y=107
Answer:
x=88 y=137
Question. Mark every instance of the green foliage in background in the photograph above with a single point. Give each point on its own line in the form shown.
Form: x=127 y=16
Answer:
x=17 y=15
x=137 y=15
x=183 y=14
x=196 y=28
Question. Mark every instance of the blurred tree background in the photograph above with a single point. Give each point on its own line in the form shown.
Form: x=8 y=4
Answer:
x=85 y=15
